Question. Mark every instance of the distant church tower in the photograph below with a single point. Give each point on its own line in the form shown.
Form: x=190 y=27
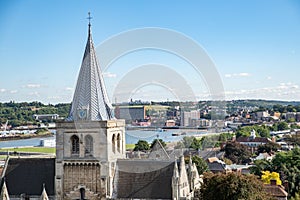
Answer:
x=90 y=140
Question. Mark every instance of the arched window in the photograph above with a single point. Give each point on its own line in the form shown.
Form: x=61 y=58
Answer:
x=119 y=143
x=74 y=145
x=113 y=142
x=88 y=145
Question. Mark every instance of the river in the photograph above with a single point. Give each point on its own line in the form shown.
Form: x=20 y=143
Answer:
x=132 y=136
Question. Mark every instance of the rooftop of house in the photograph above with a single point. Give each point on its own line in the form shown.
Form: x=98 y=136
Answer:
x=275 y=190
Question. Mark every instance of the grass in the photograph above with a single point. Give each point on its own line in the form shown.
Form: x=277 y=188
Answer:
x=30 y=149
x=130 y=146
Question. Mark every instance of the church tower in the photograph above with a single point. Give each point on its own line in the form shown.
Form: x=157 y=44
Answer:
x=90 y=140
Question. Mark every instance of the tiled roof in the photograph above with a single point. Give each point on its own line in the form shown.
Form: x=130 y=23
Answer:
x=30 y=174
x=148 y=179
x=90 y=101
x=276 y=190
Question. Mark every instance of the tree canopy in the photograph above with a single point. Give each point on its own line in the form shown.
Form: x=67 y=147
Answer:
x=231 y=186
x=237 y=153
x=141 y=145
x=287 y=164
x=200 y=164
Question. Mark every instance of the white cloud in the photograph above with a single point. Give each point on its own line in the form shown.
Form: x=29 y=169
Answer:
x=280 y=91
x=2 y=90
x=32 y=85
x=13 y=91
x=69 y=89
x=109 y=75
x=269 y=77
x=34 y=94
x=242 y=74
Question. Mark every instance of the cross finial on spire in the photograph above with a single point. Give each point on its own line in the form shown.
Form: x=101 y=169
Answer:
x=89 y=18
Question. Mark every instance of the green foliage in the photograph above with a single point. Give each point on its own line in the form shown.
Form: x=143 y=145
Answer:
x=160 y=140
x=259 y=166
x=287 y=164
x=196 y=144
x=22 y=113
x=231 y=186
x=293 y=139
x=282 y=126
x=200 y=164
x=30 y=149
x=261 y=131
x=268 y=148
x=187 y=141
x=237 y=153
x=141 y=145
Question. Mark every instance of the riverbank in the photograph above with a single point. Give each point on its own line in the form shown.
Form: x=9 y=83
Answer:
x=25 y=136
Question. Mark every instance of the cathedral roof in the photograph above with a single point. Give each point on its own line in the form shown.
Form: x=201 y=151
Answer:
x=90 y=101
x=27 y=176
x=149 y=179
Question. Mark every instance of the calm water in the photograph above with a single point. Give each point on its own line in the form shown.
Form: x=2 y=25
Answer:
x=131 y=137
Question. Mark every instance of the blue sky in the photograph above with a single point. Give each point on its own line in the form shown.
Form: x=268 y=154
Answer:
x=255 y=46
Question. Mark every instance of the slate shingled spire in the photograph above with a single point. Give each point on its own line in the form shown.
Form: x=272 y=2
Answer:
x=90 y=101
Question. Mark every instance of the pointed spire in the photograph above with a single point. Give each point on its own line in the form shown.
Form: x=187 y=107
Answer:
x=175 y=171
x=4 y=193
x=90 y=101
x=195 y=171
x=158 y=151
x=44 y=195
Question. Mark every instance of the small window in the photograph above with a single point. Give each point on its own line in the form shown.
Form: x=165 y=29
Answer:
x=119 y=143
x=113 y=143
x=88 y=145
x=75 y=145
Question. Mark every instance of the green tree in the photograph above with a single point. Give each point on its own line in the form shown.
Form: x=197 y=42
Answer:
x=259 y=166
x=283 y=126
x=200 y=164
x=268 y=148
x=141 y=145
x=231 y=186
x=237 y=153
x=196 y=144
x=187 y=141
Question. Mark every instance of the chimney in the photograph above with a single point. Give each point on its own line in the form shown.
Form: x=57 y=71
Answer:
x=273 y=182
x=274 y=139
x=286 y=185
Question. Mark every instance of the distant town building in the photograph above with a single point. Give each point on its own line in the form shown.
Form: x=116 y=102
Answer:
x=261 y=115
x=290 y=115
x=187 y=116
x=46 y=116
x=170 y=123
x=252 y=141
x=130 y=113
x=298 y=117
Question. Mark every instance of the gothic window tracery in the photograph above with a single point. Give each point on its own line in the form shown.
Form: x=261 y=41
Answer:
x=74 y=145
x=88 y=145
